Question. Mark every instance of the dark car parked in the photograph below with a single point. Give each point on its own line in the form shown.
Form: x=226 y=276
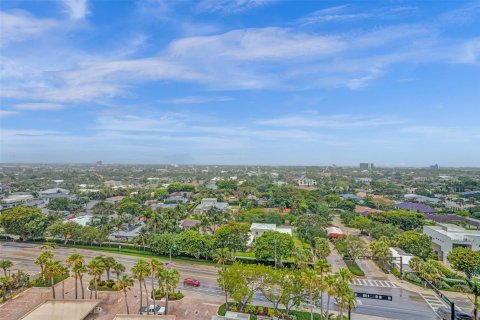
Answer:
x=446 y=314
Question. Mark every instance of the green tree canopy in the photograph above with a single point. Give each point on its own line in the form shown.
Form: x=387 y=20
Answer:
x=26 y=222
x=311 y=226
x=271 y=243
x=465 y=260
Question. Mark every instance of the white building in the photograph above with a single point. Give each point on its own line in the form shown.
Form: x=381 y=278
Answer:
x=15 y=200
x=209 y=203
x=304 y=182
x=405 y=258
x=257 y=229
x=446 y=237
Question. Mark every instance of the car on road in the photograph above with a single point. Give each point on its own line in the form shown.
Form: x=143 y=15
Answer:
x=446 y=314
x=152 y=310
x=191 y=282
x=169 y=264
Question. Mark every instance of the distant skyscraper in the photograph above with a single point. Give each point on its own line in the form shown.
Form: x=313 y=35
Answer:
x=371 y=166
x=434 y=167
x=99 y=162
x=363 y=166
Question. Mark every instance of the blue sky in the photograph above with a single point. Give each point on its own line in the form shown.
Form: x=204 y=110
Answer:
x=269 y=82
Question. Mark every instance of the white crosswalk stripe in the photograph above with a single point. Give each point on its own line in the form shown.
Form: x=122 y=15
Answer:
x=373 y=283
x=433 y=301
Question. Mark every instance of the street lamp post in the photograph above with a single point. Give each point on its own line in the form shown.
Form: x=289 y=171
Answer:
x=275 y=243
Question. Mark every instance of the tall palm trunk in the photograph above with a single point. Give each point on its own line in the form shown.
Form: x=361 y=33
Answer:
x=475 y=308
x=95 y=282
x=328 y=305
x=141 y=296
x=153 y=293
x=81 y=285
x=53 y=286
x=146 y=294
x=63 y=289
x=76 y=286
x=166 y=301
x=126 y=301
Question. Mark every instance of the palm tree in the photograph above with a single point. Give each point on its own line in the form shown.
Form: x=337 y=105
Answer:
x=139 y=271
x=51 y=269
x=222 y=255
x=474 y=286
x=42 y=260
x=124 y=284
x=95 y=268
x=342 y=289
x=141 y=238
x=118 y=269
x=330 y=284
x=302 y=257
x=72 y=261
x=156 y=266
x=322 y=268
x=64 y=272
x=168 y=280
x=79 y=270
x=5 y=264
x=6 y=283
x=109 y=262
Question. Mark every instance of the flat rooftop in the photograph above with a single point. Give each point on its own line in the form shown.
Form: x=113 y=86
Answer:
x=62 y=309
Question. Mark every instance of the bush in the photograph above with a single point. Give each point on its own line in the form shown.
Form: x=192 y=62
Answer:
x=412 y=277
x=41 y=282
x=442 y=285
x=159 y=294
x=354 y=268
x=103 y=285
x=395 y=272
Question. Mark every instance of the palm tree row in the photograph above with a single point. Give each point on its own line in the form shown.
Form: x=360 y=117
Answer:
x=167 y=278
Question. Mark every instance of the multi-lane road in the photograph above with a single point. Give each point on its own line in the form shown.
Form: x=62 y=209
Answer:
x=404 y=305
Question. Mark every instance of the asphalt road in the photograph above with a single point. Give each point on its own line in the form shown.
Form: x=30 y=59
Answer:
x=405 y=305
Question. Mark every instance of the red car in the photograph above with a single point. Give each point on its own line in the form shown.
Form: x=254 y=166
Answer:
x=191 y=282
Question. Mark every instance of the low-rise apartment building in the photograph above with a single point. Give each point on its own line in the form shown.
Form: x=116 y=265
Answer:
x=446 y=237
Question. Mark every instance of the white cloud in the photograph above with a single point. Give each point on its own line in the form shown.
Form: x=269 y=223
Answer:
x=230 y=6
x=333 y=121
x=76 y=9
x=443 y=134
x=7 y=113
x=19 y=25
x=197 y=99
x=38 y=106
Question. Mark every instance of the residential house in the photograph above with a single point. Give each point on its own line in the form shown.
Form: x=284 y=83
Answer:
x=257 y=229
x=208 y=203
x=413 y=206
x=189 y=223
x=15 y=199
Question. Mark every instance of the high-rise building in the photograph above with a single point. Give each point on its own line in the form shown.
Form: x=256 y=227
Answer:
x=364 y=166
x=371 y=166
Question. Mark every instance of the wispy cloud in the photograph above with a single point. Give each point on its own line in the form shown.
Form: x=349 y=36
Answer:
x=18 y=25
x=7 y=113
x=76 y=9
x=333 y=121
x=39 y=106
x=443 y=134
x=197 y=99
x=230 y=6
x=349 y=13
